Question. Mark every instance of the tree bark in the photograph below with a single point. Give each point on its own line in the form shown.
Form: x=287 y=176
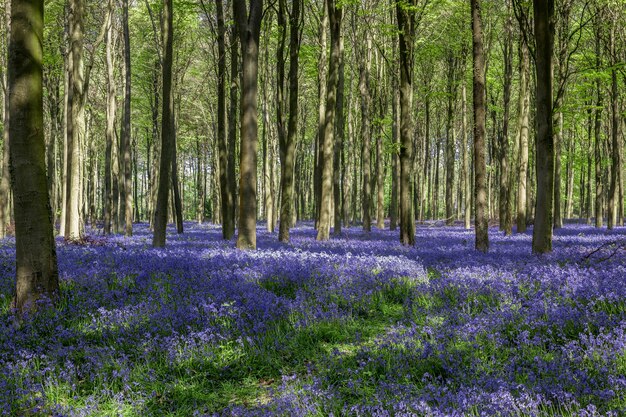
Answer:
x=480 y=178
x=36 y=264
x=506 y=223
x=364 y=67
x=249 y=28
x=167 y=132
x=465 y=174
x=125 y=134
x=522 y=135
x=228 y=225
x=110 y=120
x=288 y=147
x=544 y=35
x=335 y=14
x=406 y=26
x=339 y=137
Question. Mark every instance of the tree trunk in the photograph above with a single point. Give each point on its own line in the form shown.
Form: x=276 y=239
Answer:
x=339 y=137
x=228 y=226
x=288 y=147
x=480 y=178
x=522 y=135
x=406 y=26
x=450 y=145
x=321 y=123
x=125 y=134
x=36 y=264
x=544 y=34
x=76 y=123
x=167 y=132
x=465 y=174
x=613 y=206
x=249 y=28
x=599 y=154
x=506 y=223
x=232 y=134
x=335 y=14
x=364 y=88
x=178 y=206
x=110 y=120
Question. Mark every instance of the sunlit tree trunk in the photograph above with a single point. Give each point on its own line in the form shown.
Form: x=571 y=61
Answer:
x=36 y=263
x=335 y=15
x=248 y=22
x=480 y=184
x=125 y=134
x=522 y=135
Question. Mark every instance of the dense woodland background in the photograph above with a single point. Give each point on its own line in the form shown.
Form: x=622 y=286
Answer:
x=104 y=66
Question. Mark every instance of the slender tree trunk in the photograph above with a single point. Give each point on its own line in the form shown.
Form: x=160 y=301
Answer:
x=125 y=134
x=36 y=264
x=599 y=177
x=406 y=26
x=227 y=198
x=450 y=142
x=544 y=34
x=232 y=132
x=335 y=14
x=506 y=223
x=167 y=132
x=288 y=148
x=339 y=138
x=110 y=120
x=395 y=172
x=364 y=88
x=76 y=124
x=522 y=135
x=380 y=164
x=249 y=28
x=178 y=206
x=613 y=205
x=321 y=123
x=465 y=174
x=480 y=185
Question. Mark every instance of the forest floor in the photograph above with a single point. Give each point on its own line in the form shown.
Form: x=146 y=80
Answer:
x=358 y=326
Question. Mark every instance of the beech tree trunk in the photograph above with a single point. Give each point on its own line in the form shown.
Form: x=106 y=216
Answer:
x=364 y=67
x=522 y=135
x=480 y=175
x=248 y=24
x=167 y=132
x=544 y=156
x=406 y=26
x=110 y=120
x=288 y=147
x=335 y=15
x=505 y=194
x=228 y=225
x=339 y=137
x=125 y=134
x=36 y=264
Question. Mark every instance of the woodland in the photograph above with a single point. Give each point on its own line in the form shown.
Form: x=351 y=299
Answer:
x=312 y=208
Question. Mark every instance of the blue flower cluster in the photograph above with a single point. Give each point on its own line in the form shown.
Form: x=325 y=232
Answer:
x=385 y=330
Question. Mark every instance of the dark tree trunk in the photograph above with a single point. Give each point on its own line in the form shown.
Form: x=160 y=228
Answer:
x=544 y=156
x=288 y=148
x=480 y=178
x=522 y=128
x=36 y=264
x=167 y=132
x=249 y=29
